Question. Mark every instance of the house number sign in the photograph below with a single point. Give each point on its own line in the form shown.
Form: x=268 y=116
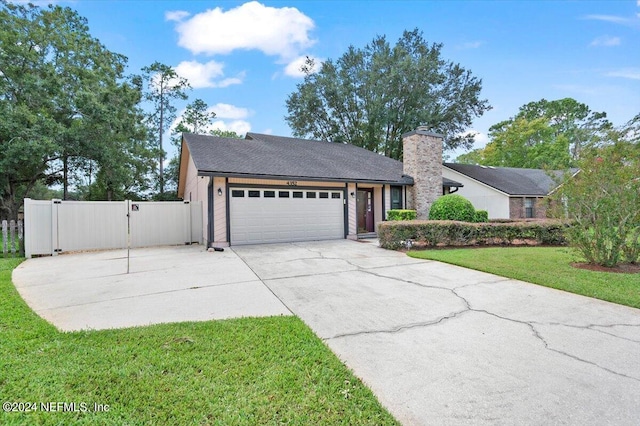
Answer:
x=292 y=183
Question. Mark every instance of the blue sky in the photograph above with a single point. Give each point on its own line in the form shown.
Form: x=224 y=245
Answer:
x=241 y=56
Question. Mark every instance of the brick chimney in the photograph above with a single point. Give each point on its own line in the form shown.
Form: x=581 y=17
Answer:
x=422 y=160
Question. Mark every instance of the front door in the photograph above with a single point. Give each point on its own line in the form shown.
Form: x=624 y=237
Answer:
x=364 y=207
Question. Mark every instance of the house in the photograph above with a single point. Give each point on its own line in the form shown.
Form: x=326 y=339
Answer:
x=505 y=192
x=268 y=189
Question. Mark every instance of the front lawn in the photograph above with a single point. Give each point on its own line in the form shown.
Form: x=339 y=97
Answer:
x=244 y=371
x=547 y=266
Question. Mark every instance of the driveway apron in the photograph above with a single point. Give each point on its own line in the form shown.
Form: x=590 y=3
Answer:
x=165 y=284
x=444 y=345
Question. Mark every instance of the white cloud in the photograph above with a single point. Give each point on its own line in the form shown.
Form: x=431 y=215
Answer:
x=241 y=127
x=282 y=32
x=608 y=18
x=470 y=45
x=176 y=15
x=630 y=73
x=294 y=68
x=631 y=21
x=480 y=139
x=206 y=75
x=229 y=111
x=606 y=41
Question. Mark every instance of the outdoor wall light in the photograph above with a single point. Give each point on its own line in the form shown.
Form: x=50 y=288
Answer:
x=219 y=192
x=353 y=194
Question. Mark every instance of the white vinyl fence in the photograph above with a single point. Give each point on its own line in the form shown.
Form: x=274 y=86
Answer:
x=56 y=226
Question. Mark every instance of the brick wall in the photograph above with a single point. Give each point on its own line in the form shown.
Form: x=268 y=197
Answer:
x=422 y=160
x=517 y=208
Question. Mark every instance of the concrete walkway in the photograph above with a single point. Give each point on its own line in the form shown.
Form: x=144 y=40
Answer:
x=165 y=284
x=443 y=345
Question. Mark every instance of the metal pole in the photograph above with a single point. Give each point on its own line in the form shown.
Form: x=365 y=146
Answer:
x=128 y=233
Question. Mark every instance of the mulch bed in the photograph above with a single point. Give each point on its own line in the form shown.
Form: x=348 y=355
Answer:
x=623 y=268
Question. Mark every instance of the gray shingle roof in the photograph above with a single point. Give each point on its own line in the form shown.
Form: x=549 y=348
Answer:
x=511 y=180
x=271 y=156
x=274 y=156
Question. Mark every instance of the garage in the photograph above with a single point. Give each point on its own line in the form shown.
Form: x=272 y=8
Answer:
x=276 y=215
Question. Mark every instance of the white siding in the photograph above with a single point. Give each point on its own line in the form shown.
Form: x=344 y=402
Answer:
x=482 y=196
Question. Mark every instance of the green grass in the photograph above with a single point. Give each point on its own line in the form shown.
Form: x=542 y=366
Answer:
x=547 y=266
x=245 y=371
x=11 y=244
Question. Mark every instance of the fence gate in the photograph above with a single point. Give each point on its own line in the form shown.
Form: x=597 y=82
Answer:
x=56 y=226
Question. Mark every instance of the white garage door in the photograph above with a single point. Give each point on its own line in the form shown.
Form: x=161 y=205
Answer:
x=263 y=215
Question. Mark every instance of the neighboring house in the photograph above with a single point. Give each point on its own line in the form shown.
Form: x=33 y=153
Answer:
x=267 y=189
x=505 y=192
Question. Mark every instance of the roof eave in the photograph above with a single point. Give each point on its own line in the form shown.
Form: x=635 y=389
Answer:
x=302 y=178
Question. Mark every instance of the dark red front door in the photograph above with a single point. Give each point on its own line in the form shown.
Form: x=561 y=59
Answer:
x=364 y=208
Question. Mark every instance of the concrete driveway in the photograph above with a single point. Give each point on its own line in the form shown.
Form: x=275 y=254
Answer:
x=443 y=345
x=165 y=284
x=437 y=344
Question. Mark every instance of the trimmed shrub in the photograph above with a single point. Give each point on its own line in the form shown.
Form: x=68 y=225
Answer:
x=452 y=207
x=440 y=233
x=398 y=214
x=481 y=216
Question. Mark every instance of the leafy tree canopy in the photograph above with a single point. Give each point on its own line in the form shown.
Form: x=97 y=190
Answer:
x=66 y=107
x=544 y=134
x=369 y=97
x=602 y=200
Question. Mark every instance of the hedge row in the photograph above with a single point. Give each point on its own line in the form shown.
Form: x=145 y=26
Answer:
x=401 y=214
x=441 y=233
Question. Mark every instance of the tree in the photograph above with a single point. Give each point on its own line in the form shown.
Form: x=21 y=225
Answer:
x=225 y=134
x=163 y=87
x=369 y=97
x=125 y=158
x=472 y=157
x=55 y=81
x=602 y=200
x=195 y=119
x=544 y=134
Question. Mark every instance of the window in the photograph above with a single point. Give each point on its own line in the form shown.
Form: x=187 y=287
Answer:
x=297 y=194
x=528 y=208
x=269 y=194
x=324 y=195
x=396 y=197
x=311 y=195
x=283 y=194
x=254 y=194
x=237 y=193
x=335 y=195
